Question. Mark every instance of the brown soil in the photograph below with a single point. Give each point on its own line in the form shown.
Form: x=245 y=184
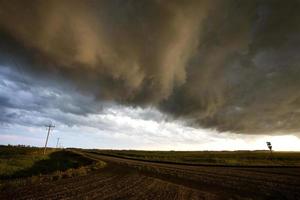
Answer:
x=132 y=179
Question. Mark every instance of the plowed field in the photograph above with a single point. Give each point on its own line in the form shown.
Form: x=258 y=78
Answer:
x=133 y=179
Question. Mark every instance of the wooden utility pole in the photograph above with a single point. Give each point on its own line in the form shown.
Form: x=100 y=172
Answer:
x=49 y=128
x=57 y=142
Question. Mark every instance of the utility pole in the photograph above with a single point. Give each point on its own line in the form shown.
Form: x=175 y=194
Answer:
x=57 y=142
x=50 y=126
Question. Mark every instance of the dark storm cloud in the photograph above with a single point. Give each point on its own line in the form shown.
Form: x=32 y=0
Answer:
x=231 y=65
x=31 y=101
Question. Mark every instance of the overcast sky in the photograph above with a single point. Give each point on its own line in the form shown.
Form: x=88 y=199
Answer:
x=27 y=104
x=192 y=75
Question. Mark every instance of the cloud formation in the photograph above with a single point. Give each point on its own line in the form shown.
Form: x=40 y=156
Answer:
x=27 y=104
x=230 y=65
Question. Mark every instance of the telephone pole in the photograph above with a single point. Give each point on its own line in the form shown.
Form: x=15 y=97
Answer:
x=57 y=142
x=50 y=126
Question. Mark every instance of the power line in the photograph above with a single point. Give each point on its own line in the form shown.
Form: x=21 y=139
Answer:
x=50 y=126
x=57 y=142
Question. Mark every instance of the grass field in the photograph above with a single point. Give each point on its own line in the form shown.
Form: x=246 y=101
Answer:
x=212 y=157
x=21 y=162
x=15 y=159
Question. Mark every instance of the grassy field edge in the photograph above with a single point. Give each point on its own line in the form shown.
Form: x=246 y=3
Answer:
x=85 y=168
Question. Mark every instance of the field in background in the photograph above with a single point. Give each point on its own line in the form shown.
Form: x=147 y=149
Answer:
x=260 y=158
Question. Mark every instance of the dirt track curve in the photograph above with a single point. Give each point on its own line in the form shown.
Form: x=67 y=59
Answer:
x=132 y=179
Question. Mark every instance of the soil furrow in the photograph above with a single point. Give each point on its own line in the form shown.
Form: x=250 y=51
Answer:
x=131 y=179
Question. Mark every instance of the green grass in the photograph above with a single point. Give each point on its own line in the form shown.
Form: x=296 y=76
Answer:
x=14 y=159
x=27 y=165
x=212 y=157
x=20 y=162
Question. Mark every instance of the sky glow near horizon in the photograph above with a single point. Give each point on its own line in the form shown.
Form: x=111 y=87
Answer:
x=166 y=136
x=28 y=104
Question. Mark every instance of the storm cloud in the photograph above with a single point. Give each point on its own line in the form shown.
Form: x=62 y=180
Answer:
x=231 y=65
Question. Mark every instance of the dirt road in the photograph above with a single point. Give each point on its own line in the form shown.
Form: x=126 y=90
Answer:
x=132 y=179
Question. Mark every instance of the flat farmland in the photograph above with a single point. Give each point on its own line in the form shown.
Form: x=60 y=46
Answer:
x=226 y=158
x=127 y=178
